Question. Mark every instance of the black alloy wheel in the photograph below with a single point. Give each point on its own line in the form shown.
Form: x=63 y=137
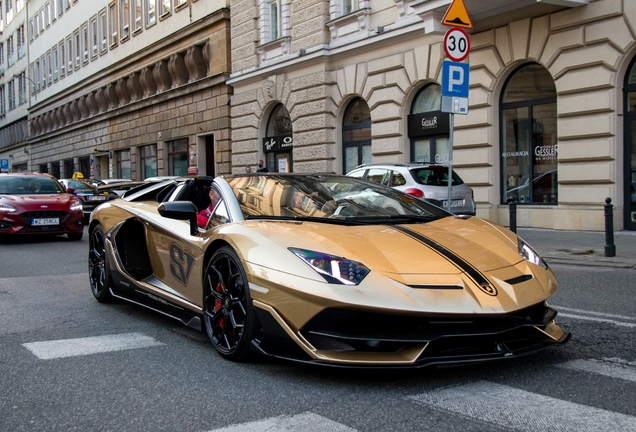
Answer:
x=227 y=306
x=98 y=269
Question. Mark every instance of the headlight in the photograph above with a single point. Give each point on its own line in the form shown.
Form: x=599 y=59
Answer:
x=333 y=269
x=530 y=254
x=7 y=209
x=76 y=205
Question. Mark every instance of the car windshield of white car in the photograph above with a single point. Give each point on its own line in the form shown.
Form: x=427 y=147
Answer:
x=435 y=176
x=337 y=198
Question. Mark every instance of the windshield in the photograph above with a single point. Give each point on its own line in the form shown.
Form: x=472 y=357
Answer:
x=29 y=185
x=79 y=186
x=435 y=176
x=326 y=196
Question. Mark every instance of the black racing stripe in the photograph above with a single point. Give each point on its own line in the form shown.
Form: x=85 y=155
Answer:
x=471 y=271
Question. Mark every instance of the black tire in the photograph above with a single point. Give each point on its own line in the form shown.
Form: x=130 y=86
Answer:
x=228 y=314
x=75 y=236
x=98 y=268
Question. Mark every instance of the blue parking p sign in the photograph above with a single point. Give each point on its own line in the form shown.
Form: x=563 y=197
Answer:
x=4 y=164
x=455 y=79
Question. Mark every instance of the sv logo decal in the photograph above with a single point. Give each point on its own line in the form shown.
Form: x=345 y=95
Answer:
x=181 y=264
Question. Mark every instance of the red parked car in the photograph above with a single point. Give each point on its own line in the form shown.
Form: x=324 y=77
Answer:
x=32 y=204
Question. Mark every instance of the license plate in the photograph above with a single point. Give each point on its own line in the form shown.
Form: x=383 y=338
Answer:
x=45 y=221
x=454 y=203
x=97 y=198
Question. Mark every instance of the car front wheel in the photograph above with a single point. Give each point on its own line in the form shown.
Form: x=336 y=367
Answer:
x=227 y=306
x=98 y=269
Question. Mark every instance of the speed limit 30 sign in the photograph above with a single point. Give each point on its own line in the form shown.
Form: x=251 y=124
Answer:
x=456 y=44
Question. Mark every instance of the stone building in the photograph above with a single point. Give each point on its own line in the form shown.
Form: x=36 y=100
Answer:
x=322 y=86
x=127 y=88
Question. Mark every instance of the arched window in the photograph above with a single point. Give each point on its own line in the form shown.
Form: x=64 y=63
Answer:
x=279 y=140
x=356 y=135
x=428 y=127
x=630 y=148
x=529 y=137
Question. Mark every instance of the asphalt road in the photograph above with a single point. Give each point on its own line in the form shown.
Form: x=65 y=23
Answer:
x=172 y=379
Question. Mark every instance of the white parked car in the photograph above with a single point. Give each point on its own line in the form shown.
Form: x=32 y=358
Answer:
x=428 y=181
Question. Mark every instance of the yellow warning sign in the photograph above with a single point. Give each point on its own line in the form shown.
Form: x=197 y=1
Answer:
x=457 y=15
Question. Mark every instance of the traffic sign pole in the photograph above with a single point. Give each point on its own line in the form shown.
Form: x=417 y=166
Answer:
x=450 y=160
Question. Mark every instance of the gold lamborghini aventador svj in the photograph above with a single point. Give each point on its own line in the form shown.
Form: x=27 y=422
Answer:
x=324 y=269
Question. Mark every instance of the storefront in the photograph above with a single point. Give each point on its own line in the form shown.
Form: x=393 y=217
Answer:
x=278 y=144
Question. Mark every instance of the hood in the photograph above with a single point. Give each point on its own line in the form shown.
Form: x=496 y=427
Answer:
x=36 y=202
x=434 y=247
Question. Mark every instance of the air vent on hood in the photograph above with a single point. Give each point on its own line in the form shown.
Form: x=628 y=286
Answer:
x=519 y=279
x=442 y=287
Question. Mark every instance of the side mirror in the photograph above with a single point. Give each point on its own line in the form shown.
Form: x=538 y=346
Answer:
x=70 y=190
x=180 y=210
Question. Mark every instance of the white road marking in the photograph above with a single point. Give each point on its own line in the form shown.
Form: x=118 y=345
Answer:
x=611 y=367
x=619 y=320
x=603 y=320
x=306 y=422
x=514 y=409
x=48 y=350
x=601 y=314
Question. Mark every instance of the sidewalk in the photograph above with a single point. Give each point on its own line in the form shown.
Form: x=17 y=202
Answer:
x=586 y=248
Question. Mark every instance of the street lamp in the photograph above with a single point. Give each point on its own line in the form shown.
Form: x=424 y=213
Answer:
x=32 y=82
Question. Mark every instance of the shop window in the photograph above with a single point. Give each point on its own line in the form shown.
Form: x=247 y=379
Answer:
x=178 y=157
x=148 y=161
x=529 y=137
x=69 y=168
x=279 y=140
x=630 y=148
x=356 y=135
x=428 y=127
x=123 y=164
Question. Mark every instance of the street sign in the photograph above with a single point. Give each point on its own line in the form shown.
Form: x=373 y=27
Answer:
x=456 y=44
x=4 y=164
x=455 y=79
x=454 y=105
x=457 y=15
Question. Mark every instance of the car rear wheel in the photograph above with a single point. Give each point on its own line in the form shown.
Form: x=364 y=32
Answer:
x=98 y=269
x=227 y=306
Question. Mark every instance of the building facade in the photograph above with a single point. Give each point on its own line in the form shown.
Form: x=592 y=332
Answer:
x=322 y=86
x=126 y=88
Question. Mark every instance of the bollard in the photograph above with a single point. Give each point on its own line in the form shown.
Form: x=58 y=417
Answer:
x=512 y=205
x=610 y=248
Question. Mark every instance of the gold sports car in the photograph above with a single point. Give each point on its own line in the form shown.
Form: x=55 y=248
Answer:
x=324 y=269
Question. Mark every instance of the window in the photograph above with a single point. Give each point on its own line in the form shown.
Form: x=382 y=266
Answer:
x=69 y=55
x=178 y=157
x=21 y=42
x=47 y=15
x=86 y=43
x=279 y=140
x=11 y=90
x=148 y=161
x=2 y=101
x=22 y=89
x=43 y=71
x=123 y=164
x=349 y=6
x=124 y=11
x=9 y=17
x=60 y=7
x=94 y=38
x=275 y=20
x=62 y=50
x=56 y=64
x=103 y=31
x=41 y=20
x=31 y=29
x=112 y=23
x=1 y=55
x=165 y=7
x=151 y=16
x=179 y=3
x=36 y=76
x=10 y=51
x=77 y=48
x=529 y=137
x=19 y=5
x=138 y=13
x=69 y=168
x=49 y=70
x=356 y=135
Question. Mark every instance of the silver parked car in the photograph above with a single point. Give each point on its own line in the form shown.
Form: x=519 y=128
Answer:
x=429 y=181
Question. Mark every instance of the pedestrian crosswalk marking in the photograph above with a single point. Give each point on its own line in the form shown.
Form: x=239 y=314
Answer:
x=306 y=422
x=47 y=350
x=514 y=409
x=611 y=367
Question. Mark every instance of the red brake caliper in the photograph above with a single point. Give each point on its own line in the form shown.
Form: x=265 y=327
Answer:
x=217 y=304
